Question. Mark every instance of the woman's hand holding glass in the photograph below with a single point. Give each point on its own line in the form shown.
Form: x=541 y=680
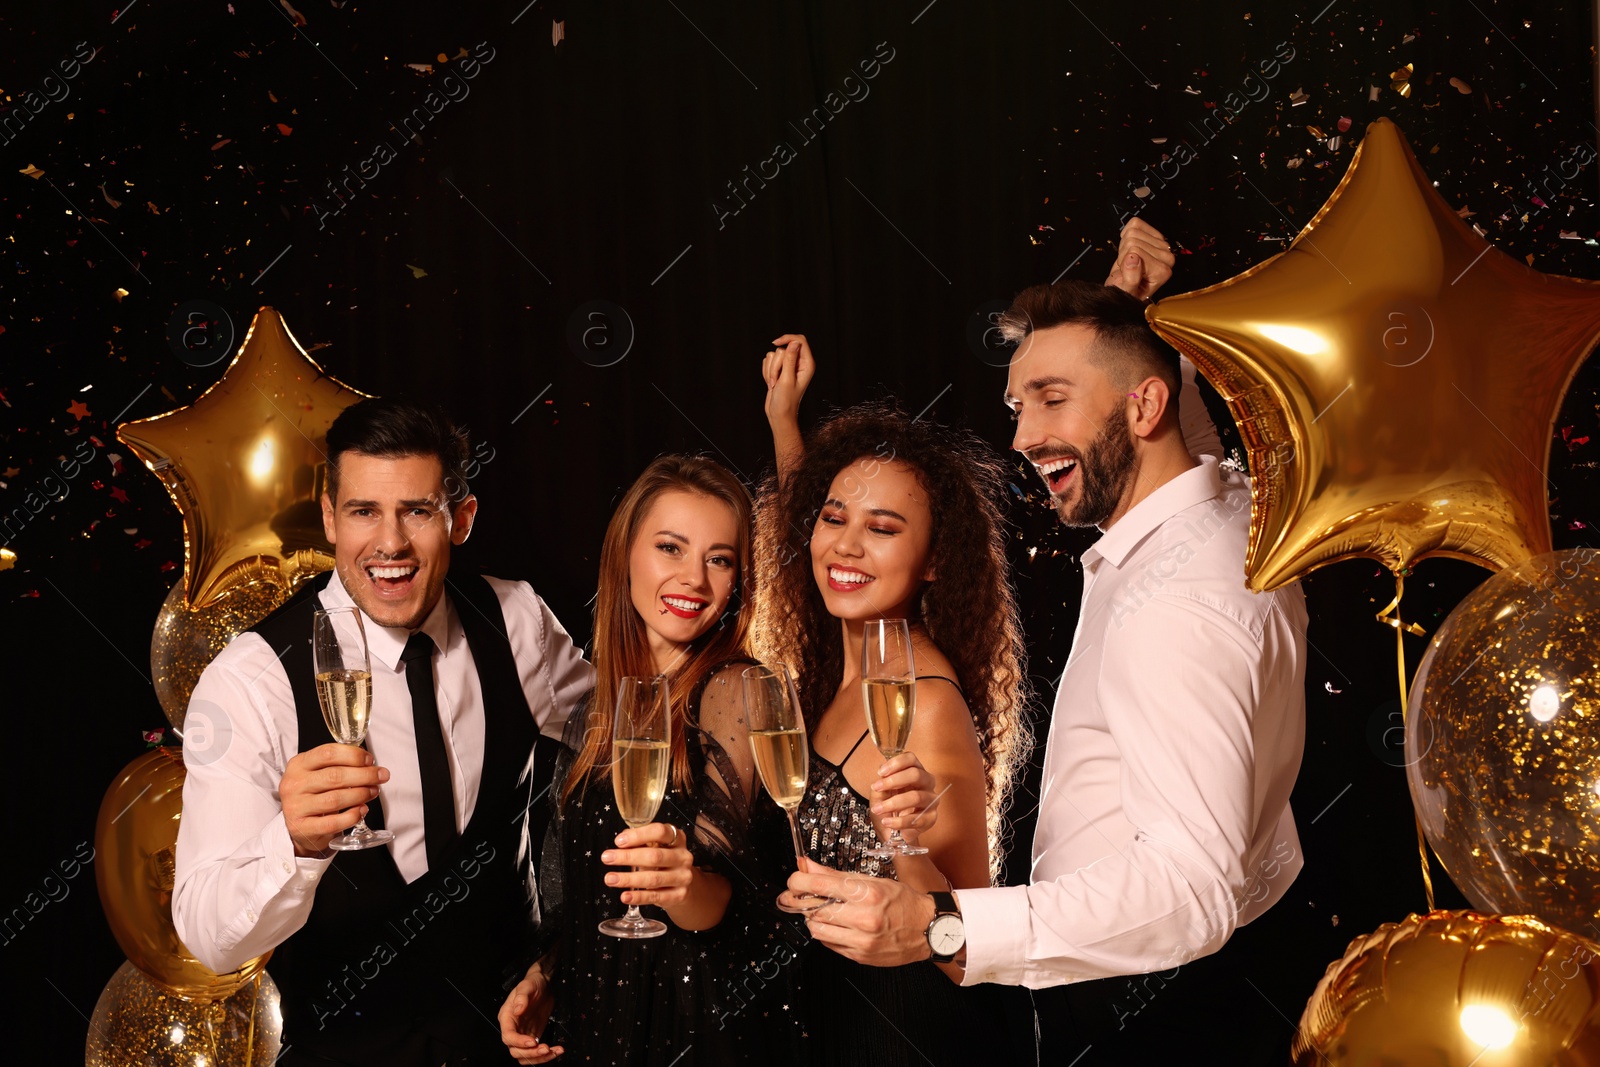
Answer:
x=904 y=797
x=663 y=866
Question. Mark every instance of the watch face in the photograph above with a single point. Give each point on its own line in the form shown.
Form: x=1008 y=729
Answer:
x=946 y=935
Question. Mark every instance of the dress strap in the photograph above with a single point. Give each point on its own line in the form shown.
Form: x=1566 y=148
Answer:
x=853 y=748
x=941 y=678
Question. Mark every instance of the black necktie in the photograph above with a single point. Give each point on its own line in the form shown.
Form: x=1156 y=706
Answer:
x=438 y=800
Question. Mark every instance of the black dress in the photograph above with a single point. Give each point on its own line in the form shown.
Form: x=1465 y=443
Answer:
x=888 y=1016
x=687 y=997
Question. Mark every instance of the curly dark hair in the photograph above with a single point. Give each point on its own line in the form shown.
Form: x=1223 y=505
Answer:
x=969 y=612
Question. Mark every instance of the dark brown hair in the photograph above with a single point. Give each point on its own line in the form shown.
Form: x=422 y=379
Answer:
x=1127 y=348
x=968 y=611
x=621 y=646
x=393 y=427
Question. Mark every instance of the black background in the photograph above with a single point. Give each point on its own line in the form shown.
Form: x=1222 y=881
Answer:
x=994 y=150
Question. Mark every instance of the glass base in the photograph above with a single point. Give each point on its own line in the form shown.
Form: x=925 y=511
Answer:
x=809 y=908
x=911 y=850
x=354 y=841
x=628 y=927
x=881 y=852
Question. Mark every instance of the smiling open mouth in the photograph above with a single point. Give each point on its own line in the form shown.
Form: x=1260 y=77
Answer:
x=392 y=580
x=845 y=580
x=1057 y=473
x=685 y=607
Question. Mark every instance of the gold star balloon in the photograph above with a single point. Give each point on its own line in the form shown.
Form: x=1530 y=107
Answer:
x=1395 y=377
x=245 y=464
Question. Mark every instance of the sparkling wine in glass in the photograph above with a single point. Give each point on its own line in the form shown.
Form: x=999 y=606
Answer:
x=344 y=689
x=641 y=757
x=889 y=690
x=778 y=739
x=778 y=742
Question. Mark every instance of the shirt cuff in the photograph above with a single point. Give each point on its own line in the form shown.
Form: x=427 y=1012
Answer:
x=289 y=872
x=996 y=923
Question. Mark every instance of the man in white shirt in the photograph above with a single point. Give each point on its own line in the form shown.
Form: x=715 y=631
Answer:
x=1164 y=821
x=396 y=954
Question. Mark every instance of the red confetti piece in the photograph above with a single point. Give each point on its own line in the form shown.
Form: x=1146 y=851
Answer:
x=143 y=542
x=285 y=130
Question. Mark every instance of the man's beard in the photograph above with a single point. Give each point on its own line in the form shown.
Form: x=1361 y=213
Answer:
x=1104 y=471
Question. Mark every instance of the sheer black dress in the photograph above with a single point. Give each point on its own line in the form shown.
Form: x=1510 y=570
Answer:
x=687 y=997
x=888 y=1016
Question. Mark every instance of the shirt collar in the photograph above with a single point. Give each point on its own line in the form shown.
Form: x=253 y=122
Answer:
x=386 y=643
x=1194 y=486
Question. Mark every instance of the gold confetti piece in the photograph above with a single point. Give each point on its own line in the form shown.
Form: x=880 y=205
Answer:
x=220 y=143
x=417 y=272
x=1403 y=74
x=1298 y=97
x=442 y=58
x=1315 y=132
x=421 y=68
x=1462 y=87
x=115 y=203
x=119 y=293
x=8 y=559
x=32 y=171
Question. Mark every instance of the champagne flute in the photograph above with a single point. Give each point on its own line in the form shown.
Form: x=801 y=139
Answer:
x=344 y=689
x=641 y=756
x=889 y=690
x=778 y=742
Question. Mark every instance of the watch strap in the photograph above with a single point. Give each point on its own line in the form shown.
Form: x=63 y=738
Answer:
x=944 y=903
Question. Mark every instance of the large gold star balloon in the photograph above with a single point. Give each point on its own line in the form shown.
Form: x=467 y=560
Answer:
x=245 y=464
x=1395 y=377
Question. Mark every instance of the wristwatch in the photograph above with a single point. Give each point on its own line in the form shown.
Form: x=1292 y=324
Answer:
x=947 y=935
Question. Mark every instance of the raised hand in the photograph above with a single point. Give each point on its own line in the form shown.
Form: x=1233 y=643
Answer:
x=325 y=791
x=787 y=370
x=524 y=1016
x=1144 y=260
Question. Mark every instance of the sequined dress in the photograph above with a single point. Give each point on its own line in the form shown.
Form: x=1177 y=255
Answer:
x=686 y=997
x=884 y=1016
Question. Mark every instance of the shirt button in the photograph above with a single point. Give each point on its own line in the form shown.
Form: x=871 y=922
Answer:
x=287 y=867
x=250 y=915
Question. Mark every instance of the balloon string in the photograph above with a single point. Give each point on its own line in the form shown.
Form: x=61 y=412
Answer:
x=1400 y=630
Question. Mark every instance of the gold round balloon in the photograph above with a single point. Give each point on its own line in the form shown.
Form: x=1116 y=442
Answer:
x=1503 y=741
x=186 y=639
x=246 y=463
x=136 y=1023
x=1457 y=989
x=134 y=839
x=1395 y=378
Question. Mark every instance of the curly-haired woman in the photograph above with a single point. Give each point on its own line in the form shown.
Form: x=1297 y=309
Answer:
x=880 y=515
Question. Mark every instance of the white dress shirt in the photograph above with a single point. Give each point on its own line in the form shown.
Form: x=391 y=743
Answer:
x=240 y=889
x=1177 y=733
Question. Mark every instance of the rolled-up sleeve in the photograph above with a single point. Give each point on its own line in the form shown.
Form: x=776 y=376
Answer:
x=552 y=668
x=1178 y=683
x=239 y=888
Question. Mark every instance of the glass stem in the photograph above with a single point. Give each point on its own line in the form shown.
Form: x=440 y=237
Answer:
x=794 y=831
x=633 y=909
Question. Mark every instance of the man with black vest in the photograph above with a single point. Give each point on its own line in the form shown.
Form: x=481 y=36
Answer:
x=397 y=955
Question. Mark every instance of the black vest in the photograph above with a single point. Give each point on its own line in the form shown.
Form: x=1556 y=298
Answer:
x=389 y=973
